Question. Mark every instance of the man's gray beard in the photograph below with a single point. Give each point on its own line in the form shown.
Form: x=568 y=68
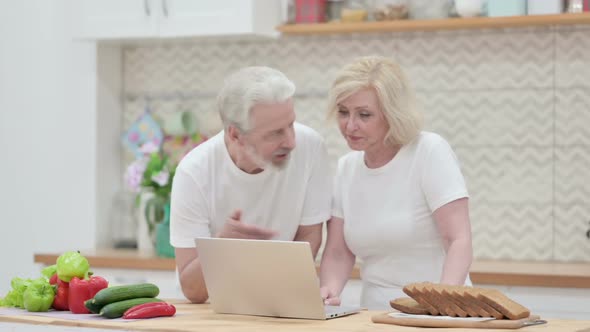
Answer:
x=265 y=164
x=283 y=165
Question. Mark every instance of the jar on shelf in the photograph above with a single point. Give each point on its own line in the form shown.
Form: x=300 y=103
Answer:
x=575 y=6
x=544 y=7
x=469 y=8
x=498 y=8
x=334 y=9
x=387 y=10
x=310 y=11
x=289 y=17
x=354 y=11
x=429 y=9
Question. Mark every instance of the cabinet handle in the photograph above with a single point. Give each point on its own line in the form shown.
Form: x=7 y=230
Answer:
x=146 y=7
x=165 y=7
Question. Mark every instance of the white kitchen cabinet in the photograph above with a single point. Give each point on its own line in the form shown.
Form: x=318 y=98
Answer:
x=140 y=19
x=113 y=19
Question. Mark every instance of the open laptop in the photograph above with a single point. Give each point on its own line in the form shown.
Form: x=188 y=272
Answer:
x=264 y=278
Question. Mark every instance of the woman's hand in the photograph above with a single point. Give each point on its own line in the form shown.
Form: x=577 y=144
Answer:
x=329 y=297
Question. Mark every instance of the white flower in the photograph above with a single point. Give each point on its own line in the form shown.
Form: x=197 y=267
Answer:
x=134 y=174
x=149 y=148
x=161 y=178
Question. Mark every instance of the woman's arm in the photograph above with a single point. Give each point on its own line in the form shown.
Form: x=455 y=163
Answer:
x=452 y=220
x=337 y=263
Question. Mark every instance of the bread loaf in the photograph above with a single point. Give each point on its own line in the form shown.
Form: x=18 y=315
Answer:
x=459 y=301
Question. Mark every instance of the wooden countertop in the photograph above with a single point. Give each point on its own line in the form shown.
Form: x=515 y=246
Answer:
x=200 y=317
x=512 y=273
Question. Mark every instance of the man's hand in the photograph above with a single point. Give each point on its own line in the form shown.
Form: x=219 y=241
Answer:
x=328 y=297
x=234 y=228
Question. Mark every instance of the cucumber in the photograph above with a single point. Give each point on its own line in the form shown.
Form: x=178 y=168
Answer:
x=92 y=307
x=117 y=309
x=125 y=292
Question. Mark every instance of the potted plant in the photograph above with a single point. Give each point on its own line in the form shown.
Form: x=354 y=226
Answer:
x=153 y=173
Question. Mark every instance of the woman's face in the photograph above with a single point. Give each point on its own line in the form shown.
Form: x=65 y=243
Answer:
x=361 y=121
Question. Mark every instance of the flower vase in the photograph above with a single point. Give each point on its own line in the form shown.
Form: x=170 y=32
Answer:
x=145 y=240
x=163 y=247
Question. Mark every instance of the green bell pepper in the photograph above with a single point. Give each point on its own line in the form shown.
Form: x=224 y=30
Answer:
x=72 y=264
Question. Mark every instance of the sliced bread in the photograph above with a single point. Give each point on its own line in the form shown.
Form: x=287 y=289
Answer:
x=409 y=306
x=416 y=291
x=503 y=304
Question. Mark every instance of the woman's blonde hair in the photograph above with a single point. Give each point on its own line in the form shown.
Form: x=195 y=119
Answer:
x=396 y=98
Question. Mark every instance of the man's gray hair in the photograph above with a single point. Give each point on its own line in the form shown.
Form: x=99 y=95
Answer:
x=250 y=86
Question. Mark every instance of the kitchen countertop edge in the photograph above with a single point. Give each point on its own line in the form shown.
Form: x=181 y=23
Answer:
x=510 y=273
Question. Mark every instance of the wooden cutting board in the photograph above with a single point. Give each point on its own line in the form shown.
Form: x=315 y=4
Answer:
x=490 y=324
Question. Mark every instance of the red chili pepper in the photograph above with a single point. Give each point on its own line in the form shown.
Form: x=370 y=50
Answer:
x=82 y=290
x=150 y=310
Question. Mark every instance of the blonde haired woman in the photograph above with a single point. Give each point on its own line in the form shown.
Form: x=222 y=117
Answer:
x=400 y=202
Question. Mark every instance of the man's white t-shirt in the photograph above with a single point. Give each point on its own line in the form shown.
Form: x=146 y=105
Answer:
x=208 y=187
x=387 y=214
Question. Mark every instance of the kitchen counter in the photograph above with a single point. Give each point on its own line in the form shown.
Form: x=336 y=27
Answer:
x=193 y=317
x=511 y=273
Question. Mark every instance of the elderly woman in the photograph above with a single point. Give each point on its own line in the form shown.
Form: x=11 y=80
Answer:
x=400 y=202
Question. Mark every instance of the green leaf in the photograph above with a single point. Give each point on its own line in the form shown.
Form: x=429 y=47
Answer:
x=49 y=271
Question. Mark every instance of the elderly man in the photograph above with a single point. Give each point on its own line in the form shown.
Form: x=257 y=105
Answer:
x=264 y=176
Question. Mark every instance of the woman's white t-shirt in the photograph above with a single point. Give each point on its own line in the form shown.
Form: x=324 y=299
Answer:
x=387 y=214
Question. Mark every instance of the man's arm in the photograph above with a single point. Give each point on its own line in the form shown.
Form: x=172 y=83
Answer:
x=190 y=275
x=311 y=234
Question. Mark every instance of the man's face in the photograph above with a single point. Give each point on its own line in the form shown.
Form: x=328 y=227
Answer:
x=272 y=136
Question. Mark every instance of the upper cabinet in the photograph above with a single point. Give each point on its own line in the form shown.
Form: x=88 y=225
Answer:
x=130 y=19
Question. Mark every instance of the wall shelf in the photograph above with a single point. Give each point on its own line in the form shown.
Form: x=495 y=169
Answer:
x=435 y=25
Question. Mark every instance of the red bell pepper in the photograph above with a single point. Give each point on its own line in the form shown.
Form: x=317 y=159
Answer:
x=82 y=290
x=97 y=283
x=60 y=301
x=53 y=279
x=150 y=310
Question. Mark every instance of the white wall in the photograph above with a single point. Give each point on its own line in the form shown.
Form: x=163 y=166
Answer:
x=513 y=104
x=47 y=136
x=108 y=137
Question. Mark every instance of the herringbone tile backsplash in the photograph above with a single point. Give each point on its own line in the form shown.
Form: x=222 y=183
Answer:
x=514 y=104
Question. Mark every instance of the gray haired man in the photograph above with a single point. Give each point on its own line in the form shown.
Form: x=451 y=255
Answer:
x=263 y=177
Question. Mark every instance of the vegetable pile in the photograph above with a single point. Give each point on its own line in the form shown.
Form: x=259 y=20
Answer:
x=70 y=285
